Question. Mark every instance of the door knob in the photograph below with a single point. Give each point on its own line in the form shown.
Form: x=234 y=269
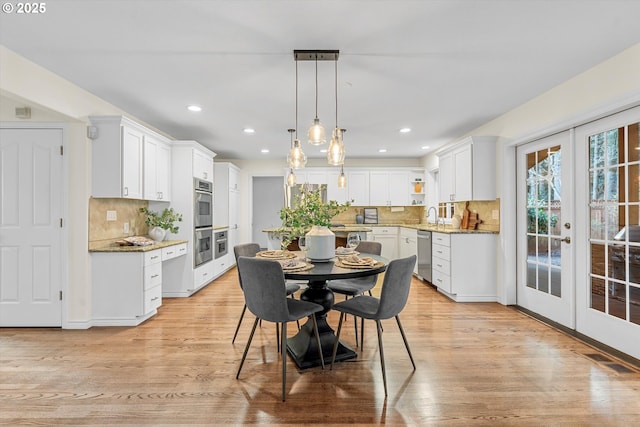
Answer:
x=567 y=225
x=566 y=239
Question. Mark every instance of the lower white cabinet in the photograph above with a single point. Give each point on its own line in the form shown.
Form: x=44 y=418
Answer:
x=388 y=237
x=127 y=286
x=464 y=266
x=408 y=244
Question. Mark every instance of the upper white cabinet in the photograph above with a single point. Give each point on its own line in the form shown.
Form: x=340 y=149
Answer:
x=467 y=170
x=358 y=187
x=202 y=165
x=388 y=188
x=129 y=160
x=157 y=169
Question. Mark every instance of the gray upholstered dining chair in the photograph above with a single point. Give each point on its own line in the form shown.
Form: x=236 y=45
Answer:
x=265 y=296
x=393 y=298
x=358 y=286
x=250 y=250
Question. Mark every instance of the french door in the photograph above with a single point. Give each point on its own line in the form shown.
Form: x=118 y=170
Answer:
x=608 y=285
x=545 y=282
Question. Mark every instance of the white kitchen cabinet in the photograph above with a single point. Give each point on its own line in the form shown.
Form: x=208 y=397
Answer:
x=126 y=287
x=467 y=170
x=388 y=188
x=157 y=169
x=179 y=274
x=202 y=165
x=117 y=163
x=358 y=187
x=408 y=244
x=464 y=266
x=226 y=204
x=388 y=237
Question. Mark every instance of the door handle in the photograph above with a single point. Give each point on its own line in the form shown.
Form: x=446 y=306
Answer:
x=566 y=239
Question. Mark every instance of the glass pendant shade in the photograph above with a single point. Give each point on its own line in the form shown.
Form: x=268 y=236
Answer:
x=336 y=152
x=342 y=179
x=296 y=158
x=291 y=178
x=316 y=133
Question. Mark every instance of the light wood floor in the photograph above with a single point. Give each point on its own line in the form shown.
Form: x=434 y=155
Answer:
x=477 y=364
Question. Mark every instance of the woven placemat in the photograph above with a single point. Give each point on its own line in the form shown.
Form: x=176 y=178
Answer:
x=276 y=254
x=339 y=263
x=304 y=267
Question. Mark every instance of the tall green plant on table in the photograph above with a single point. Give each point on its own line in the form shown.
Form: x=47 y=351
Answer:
x=308 y=210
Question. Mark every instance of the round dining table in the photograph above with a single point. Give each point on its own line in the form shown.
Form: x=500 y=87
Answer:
x=302 y=347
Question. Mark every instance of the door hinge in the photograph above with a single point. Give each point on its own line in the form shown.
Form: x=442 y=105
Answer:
x=60 y=295
x=60 y=222
x=62 y=150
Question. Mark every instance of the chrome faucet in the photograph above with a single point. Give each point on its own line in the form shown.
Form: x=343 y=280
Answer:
x=435 y=211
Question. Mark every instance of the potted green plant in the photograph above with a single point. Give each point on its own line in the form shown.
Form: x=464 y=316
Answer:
x=308 y=211
x=160 y=223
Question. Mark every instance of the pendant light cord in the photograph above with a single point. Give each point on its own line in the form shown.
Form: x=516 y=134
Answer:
x=297 y=99
x=316 y=86
x=336 y=80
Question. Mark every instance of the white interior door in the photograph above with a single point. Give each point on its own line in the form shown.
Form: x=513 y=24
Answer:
x=544 y=227
x=608 y=268
x=268 y=199
x=30 y=229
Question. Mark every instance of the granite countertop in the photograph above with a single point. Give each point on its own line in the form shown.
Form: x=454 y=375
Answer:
x=432 y=227
x=112 y=246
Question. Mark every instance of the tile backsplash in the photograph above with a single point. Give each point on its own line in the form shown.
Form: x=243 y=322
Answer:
x=127 y=211
x=485 y=210
x=386 y=215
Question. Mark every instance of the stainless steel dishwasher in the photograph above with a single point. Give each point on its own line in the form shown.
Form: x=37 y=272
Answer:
x=424 y=255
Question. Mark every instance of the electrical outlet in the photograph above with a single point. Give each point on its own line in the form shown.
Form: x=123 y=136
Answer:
x=495 y=214
x=112 y=216
x=125 y=228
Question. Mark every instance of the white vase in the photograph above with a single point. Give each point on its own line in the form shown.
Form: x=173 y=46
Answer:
x=321 y=243
x=158 y=234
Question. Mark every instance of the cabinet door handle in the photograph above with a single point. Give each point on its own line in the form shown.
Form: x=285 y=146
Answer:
x=154 y=257
x=125 y=191
x=439 y=280
x=170 y=253
x=154 y=276
x=153 y=299
x=439 y=265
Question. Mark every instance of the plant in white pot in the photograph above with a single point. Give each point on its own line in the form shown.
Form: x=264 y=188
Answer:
x=311 y=217
x=161 y=223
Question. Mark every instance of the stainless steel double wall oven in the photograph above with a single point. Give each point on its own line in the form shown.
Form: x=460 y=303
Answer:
x=203 y=221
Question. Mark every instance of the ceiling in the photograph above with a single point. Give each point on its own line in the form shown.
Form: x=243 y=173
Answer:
x=441 y=68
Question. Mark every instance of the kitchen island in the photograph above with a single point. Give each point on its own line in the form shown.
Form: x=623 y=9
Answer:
x=341 y=232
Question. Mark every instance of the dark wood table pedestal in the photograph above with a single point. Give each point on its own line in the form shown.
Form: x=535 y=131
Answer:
x=302 y=347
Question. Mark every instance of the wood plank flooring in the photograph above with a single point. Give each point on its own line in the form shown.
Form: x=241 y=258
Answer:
x=477 y=364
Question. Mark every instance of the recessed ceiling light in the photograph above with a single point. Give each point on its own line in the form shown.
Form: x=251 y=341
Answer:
x=194 y=108
x=425 y=147
x=382 y=150
x=405 y=130
x=324 y=150
x=248 y=130
x=264 y=150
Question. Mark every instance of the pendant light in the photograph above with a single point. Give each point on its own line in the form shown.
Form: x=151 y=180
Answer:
x=342 y=178
x=291 y=177
x=316 y=134
x=336 y=153
x=296 y=158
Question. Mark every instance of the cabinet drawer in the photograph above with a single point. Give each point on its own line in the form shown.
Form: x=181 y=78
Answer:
x=442 y=281
x=384 y=230
x=441 y=265
x=203 y=275
x=441 y=239
x=442 y=252
x=152 y=257
x=152 y=275
x=152 y=299
x=174 y=251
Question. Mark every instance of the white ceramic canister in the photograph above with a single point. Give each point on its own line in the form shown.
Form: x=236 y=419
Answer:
x=321 y=243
